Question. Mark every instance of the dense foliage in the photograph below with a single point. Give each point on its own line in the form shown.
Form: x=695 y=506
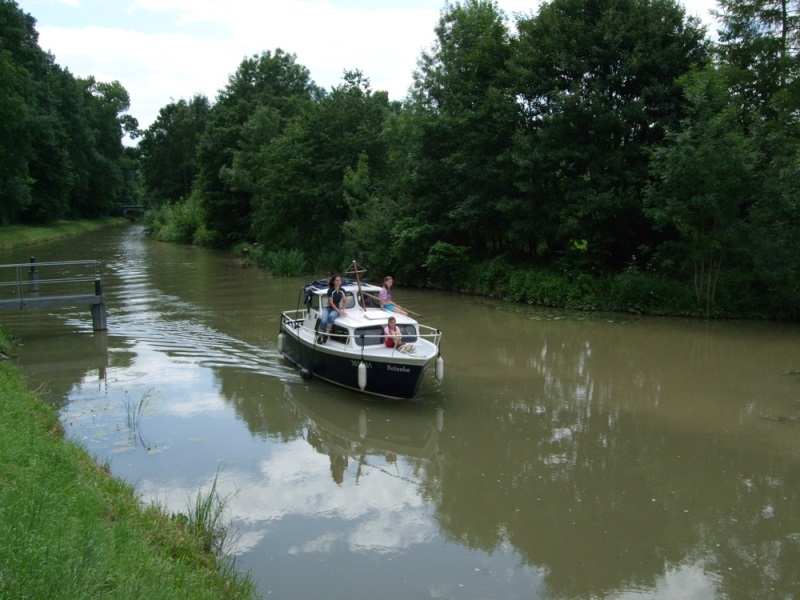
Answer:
x=601 y=153
x=61 y=152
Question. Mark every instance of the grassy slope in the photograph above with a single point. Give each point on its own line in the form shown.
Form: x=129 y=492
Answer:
x=70 y=530
x=13 y=236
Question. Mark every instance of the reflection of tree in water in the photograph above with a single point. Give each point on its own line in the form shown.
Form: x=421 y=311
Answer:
x=601 y=502
x=328 y=444
x=264 y=417
x=337 y=457
x=338 y=466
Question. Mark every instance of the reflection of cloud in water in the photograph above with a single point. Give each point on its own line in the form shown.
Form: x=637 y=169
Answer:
x=393 y=529
x=690 y=581
x=205 y=402
x=323 y=543
x=379 y=513
x=152 y=370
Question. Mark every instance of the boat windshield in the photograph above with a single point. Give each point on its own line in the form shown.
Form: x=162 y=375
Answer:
x=374 y=336
x=370 y=300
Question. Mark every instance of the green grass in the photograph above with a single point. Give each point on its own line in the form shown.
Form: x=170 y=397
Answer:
x=71 y=530
x=14 y=236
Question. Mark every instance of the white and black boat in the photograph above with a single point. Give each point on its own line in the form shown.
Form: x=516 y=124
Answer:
x=354 y=354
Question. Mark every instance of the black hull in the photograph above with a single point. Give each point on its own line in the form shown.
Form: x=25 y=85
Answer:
x=387 y=379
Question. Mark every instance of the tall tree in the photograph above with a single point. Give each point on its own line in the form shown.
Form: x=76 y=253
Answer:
x=463 y=119
x=761 y=40
x=759 y=46
x=597 y=83
x=20 y=56
x=268 y=83
x=299 y=176
x=105 y=104
x=168 y=150
x=60 y=137
x=704 y=182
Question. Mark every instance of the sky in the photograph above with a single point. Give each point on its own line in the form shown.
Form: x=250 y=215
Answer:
x=162 y=51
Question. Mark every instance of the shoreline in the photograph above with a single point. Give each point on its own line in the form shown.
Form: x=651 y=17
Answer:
x=20 y=236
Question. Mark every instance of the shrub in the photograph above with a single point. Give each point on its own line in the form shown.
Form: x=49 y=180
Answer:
x=490 y=276
x=286 y=263
x=447 y=264
x=179 y=223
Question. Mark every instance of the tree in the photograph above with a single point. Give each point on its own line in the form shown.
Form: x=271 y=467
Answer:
x=597 y=84
x=758 y=45
x=104 y=105
x=168 y=150
x=267 y=83
x=20 y=56
x=60 y=137
x=704 y=179
x=463 y=118
x=760 y=39
x=15 y=180
x=298 y=177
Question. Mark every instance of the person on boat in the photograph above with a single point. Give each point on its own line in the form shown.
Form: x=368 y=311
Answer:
x=335 y=307
x=386 y=297
x=394 y=337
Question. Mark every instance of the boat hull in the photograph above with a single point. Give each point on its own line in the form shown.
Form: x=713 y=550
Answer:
x=394 y=379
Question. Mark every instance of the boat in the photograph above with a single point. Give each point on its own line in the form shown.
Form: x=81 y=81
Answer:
x=354 y=354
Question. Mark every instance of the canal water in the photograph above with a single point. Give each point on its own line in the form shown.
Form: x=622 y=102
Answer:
x=564 y=455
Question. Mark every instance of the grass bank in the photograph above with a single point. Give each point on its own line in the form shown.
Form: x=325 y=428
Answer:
x=14 y=236
x=71 y=530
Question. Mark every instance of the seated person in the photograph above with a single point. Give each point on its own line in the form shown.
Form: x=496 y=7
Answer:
x=394 y=337
x=386 y=297
x=336 y=302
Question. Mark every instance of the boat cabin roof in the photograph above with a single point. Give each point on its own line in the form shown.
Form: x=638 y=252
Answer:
x=319 y=289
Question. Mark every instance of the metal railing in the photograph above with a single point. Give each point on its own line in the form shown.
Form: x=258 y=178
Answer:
x=295 y=319
x=53 y=284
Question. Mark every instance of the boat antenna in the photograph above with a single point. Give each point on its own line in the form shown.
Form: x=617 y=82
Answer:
x=356 y=270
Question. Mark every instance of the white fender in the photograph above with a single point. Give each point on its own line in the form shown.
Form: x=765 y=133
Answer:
x=281 y=341
x=362 y=375
x=439 y=419
x=439 y=368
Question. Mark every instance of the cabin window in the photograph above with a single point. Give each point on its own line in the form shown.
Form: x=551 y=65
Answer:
x=371 y=300
x=373 y=336
x=409 y=333
x=349 y=298
x=338 y=335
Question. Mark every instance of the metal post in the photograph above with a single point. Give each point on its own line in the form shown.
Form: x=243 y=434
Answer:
x=33 y=278
x=99 y=310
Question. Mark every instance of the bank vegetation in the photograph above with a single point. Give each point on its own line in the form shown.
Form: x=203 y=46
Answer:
x=19 y=236
x=71 y=530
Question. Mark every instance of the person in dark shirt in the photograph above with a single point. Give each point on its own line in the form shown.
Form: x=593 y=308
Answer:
x=335 y=307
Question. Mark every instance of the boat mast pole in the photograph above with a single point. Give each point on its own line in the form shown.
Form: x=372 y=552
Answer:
x=358 y=282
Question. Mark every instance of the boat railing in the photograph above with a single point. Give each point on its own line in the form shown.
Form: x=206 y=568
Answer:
x=296 y=319
x=433 y=334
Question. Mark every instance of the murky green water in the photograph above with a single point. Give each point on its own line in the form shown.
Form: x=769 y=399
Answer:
x=565 y=455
